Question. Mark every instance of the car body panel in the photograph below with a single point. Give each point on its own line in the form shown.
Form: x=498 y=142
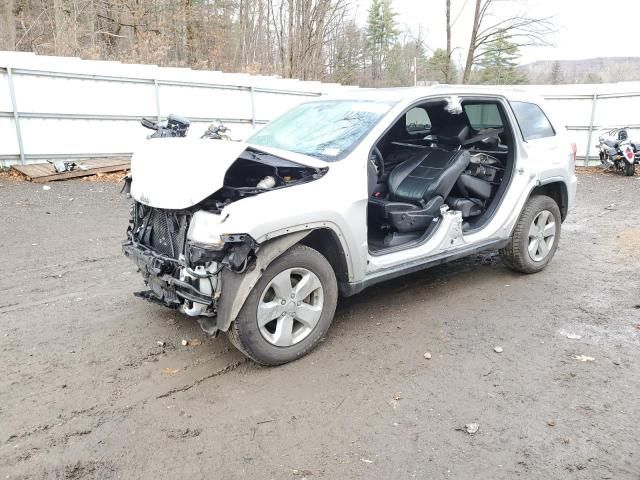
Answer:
x=177 y=173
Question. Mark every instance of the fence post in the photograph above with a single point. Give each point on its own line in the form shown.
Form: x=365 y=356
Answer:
x=593 y=116
x=253 y=107
x=16 y=118
x=157 y=90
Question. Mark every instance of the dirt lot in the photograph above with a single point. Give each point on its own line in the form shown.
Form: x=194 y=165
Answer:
x=86 y=391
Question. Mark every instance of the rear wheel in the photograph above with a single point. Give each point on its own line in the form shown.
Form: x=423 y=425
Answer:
x=535 y=237
x=629 y=169
x=289 y=310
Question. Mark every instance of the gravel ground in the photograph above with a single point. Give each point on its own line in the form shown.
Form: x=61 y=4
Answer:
x=87 y=392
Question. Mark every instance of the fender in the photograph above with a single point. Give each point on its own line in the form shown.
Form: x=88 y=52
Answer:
x=237 y=287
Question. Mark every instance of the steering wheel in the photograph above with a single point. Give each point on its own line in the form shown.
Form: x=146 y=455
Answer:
x=378 y=162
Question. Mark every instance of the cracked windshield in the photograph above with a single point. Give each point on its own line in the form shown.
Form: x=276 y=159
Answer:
x=325 y=130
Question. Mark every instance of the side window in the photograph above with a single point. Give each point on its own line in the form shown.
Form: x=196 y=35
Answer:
x=483 y=115
x=532 y=120
x=417 y=120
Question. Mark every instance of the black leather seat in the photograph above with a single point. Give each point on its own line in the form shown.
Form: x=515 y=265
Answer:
x=418 y=188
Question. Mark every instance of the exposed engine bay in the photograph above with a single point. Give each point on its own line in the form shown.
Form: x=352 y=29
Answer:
x=255 y=173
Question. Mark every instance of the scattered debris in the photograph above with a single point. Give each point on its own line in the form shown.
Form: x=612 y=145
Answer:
x=177 y=434
x=46 y=187
x=427 y=355
x=304 y=473
x=497 y=349
x=170 y=371
x=551 y=423
x=616 y=363
x=61 y=166
x=194 y=342
x=584 y=358
x=564 y=440
x=62 y=170
x=161 y=343
x=185 y=342
x=366 y=460
x=611 y=206
x=573 y=336
x=471 y=428
x=397 y=397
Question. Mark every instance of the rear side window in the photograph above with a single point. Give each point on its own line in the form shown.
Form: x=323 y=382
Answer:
x=532 y=120
x=418 y=120
x=483 y=115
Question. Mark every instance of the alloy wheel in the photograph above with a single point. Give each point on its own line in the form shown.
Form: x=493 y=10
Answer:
x=290 y=307
x=542 y=234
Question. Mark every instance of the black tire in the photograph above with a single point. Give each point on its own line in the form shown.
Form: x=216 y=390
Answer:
x=629 y=169
x=516 y=255
x=244 y=332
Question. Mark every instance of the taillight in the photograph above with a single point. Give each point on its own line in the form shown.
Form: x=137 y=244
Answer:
x=574 y=150
x=630 y=154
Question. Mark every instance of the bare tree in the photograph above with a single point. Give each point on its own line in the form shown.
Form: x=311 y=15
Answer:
x=447 y=72
x=520 y=30
x=7 y=25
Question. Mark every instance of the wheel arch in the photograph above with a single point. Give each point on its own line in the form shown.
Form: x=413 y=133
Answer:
x=558 y=191
x=326 y=241
x=237 y=287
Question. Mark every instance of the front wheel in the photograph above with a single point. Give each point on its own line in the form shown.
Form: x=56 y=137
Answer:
x=629 y=169
x=289 y=310
x=535 y=237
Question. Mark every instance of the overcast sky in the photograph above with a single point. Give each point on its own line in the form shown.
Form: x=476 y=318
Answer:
x=585 y=29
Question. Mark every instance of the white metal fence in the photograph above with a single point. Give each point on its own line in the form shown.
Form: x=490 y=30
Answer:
x=584 y=110
x=60 y=107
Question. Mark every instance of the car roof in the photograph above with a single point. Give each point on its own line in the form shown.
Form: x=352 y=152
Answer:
x=408 y=94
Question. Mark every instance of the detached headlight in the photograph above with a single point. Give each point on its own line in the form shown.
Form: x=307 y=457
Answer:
x=204 y=230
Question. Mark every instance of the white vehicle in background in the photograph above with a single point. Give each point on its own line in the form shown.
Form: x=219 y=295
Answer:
x=259 y=238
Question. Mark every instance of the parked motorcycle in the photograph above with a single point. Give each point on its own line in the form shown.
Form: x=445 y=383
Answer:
x=217 y=131
x=617 y=151
x=175 y=126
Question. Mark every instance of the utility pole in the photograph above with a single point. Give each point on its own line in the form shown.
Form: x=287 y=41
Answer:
x=415 y=71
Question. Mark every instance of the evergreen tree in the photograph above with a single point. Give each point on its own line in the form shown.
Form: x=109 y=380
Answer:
x=381 y=34
x=499 y=64
x=440 y=68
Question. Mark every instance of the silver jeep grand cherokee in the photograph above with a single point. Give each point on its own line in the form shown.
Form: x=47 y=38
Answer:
x=258 y=239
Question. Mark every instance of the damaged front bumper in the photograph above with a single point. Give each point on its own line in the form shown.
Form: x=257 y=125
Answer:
x=184 y=263
x=186 y=292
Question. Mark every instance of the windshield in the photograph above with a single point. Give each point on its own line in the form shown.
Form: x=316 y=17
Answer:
x=327 y=130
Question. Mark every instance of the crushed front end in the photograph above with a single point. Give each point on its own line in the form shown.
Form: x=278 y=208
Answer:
x=177 y=233
x=180 y=274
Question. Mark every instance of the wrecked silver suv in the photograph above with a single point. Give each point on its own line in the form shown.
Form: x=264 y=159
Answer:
x=258 y=238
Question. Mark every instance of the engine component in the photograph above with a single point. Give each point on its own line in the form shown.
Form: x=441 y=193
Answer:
x=266 y=183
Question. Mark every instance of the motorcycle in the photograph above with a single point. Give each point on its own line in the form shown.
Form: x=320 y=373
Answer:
x=175 y=126
x=616 y=150
x=217 y=131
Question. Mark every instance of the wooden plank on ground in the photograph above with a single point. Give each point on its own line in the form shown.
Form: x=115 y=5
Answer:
x=46 y=172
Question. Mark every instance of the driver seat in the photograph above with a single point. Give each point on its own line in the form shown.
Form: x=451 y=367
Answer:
x=418 y=188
